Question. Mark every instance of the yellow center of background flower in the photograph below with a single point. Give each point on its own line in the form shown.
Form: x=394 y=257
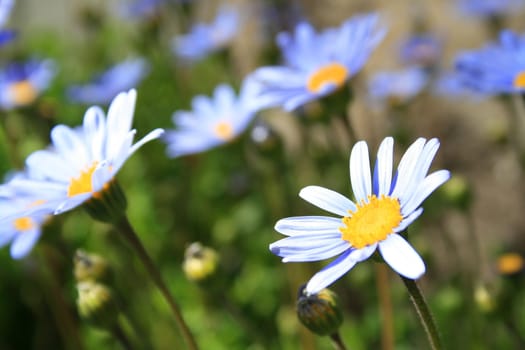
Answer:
x=83 y=183
x=333 y=73
x=510 y=263
x=519 y=80
x=23 y=224
x=372 y=222
x=223 y=130
x=23 y=92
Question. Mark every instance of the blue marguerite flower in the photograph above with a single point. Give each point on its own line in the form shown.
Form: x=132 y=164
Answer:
x=385 y=205
x=398 y=86
x=212 y=121
x=422 y=50
x=487 y=8
x=204 y=39
x=120 y=77
x=6 y=35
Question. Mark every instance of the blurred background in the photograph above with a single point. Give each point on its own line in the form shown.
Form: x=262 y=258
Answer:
x=229 y=198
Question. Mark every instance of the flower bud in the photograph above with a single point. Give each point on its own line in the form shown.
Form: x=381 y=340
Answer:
x=319 y=312
x=96 y=304
x=484 y=299
x=457 y=192
x=200 y=263
x=91 y=267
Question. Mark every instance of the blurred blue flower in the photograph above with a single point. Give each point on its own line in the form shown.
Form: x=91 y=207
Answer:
x=120 y=77
x=22 y=82
x=6 y=35
x=206 y=38
x=423 y=50
x=82 y=162
x=141 y=8
x=497 y=68
x=487 y=8
x=385 y=205
x=213 y=121
x=450 y=84
x=399 y=86
x=316 y=64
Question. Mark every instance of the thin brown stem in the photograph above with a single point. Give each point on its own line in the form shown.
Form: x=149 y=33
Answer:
x=385 y=305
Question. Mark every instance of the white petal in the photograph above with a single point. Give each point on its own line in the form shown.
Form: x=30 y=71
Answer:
x=425 y=188
x=72 y=202
x=95 y=132
x=330 y=273
x=407 y=167
x=360 y=172
x=309 y=248
x=408 y=220
x=71 y=147
x=383 y=170
x=308 y=224
x=24 y=242
x=328 y=200
x=152 y=135
x=401 y=257
x=119 y=119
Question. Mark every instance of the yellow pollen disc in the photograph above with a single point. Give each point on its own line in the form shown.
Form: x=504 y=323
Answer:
x=372 y=222
x=519 y=80
x=23 y=92
x=23 y=224
x=510 y=263
x=83 y=183
x=223 y=130
x=333 y=73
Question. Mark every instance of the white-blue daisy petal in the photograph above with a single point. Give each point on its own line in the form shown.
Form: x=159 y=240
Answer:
x=328 y=200
x=408 y=220
x=406 y=167
x=299 y=225
x=401 y=257
x=24 y=242
x=424 y=189
x=360 y=172
x=383 y=169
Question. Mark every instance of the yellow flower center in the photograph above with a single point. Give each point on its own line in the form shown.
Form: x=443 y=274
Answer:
x=23 y=92
x=510 y=263
x=23 y=224
x=333 y=73
x=223 y=130
x=83 y=183
x=372 y=222
x=519 y=80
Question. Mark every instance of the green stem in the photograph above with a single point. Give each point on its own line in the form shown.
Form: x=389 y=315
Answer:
x=423 y=312
x=129 y=234
x=121 y=336
x=337 y=341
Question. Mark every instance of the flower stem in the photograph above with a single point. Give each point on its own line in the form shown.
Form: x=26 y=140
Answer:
x=121 y=336
x=385 y=304
x=337 y=341
x=423 y=313
x=129 y=234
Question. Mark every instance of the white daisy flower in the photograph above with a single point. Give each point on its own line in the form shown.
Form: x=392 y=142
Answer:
x=82 y=162
x=384 y=206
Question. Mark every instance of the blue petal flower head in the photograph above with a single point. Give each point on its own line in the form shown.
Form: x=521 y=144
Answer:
x=213 y=121
x=399 y=86
x=22 y=82
x=422 y=50
x=120 y=77
x=497 y=68
x=449 y=84
x=386 y=203
x=318 y=63
x=204 y=39
x=82 y=161
x=487 y=8
x=141 y=8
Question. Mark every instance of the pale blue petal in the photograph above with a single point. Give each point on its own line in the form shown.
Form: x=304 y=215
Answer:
x=310 y=247
x=95 y=131
x=408 y=220
x=72 y=203
x=24 y=242
x=424 y=189
x=360 y=172
x=49 y=165
x=328 y=200
x=401 y=257
x=407 y=167
x=70 y=146
x=299 y=225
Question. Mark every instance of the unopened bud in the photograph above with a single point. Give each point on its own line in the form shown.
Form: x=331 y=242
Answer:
x=96 y=304
x=484 y=299
x=319 y=312
x=200 y=263
x=88 y=266
x=457 y=192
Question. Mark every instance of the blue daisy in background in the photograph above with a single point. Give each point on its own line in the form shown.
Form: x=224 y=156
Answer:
x=397 y=87
x=318 y=63
x=385 y=205
x=213 y=121
x=204 y=39
x=6 y=35
x=83 y=161
x=497 y=68
x=103 y=88
x=141 y=8
x=22 y=82
x=488 y=8
x=422 y=50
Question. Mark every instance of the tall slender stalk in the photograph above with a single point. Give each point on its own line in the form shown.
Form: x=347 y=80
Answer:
x=423 y=312
x=337 y=341
x=129 y=234
x=385 y=304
